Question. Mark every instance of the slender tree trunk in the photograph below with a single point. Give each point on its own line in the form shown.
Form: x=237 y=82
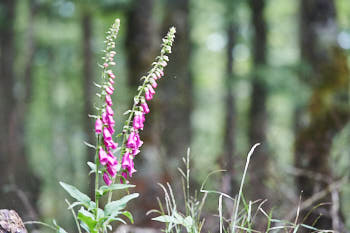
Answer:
x=328 y=76
x=176 y=92
x=88 y=74
x=142 y=48
x=19 y=186
x=229 y=186
x=258 y=114
x=140 y=40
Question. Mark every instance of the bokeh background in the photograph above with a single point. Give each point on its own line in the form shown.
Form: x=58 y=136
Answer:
x=241 y=72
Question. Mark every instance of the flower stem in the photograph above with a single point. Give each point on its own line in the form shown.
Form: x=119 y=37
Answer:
x=96 y=173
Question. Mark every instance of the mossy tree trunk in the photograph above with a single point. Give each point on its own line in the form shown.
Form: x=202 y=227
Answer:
x=327 y=74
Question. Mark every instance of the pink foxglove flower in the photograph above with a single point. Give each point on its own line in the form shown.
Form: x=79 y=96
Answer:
x=148 y=95
x=131 y=143
x=105 y=65
x=138 y=121
x=109 y=111
x=151 y=90
x=106 y=179
x=126 y=160
x=98 y=126
x=107 y=135
x=103 y=156
x=138 y=141
x=153 y=83
x=108 y=100
x=145 y=107
x=109 y=90
x=111 y=129
x=105 y=118
x=135 y=151
x=112 y=171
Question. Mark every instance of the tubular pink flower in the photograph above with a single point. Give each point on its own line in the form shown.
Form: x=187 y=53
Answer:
x=111 y=160
x=110 y=74
x=145 y=107
x=109 y=100
x=135 y=151
x=112 y=170
x=109 y=110
x=153 y=83
x=106 y=179
x=161 y=73
x=163 y=63
x=148 y=95
x=131 y=168
x=137 y=122
x=102 y=155
x=154 y=76
x=109 y=90
x=110 y=121
x=113 y=145
x=105 y=118
x=106 y=134
x=151 y=90
x=131 y=143
x=98 y=126
x=105 y=65
x=138 y=141
x=126 y=160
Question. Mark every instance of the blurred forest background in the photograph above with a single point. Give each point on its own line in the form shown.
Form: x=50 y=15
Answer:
x=241 y=72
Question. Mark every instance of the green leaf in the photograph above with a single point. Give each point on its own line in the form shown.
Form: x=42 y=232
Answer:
x=129 y=216
x=79 y=196
x=104 y=189
x=87 y=218
x=117 y=206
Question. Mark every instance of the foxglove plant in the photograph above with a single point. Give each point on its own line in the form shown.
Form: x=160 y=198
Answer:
x=111 y=160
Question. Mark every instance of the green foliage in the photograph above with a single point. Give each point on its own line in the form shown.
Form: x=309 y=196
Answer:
x=93 y=219
x=82 y=198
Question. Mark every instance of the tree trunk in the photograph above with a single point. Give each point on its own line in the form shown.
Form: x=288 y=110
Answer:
x=328 y=76
x=258 y=114
x=19 y=186
x=88 y=74
x=142 y=48
x=176 y=92
x=229 y=186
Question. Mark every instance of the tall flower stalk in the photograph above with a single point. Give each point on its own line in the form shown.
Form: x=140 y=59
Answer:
x=104 y=124
x=92 y=217
x=131 y=144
